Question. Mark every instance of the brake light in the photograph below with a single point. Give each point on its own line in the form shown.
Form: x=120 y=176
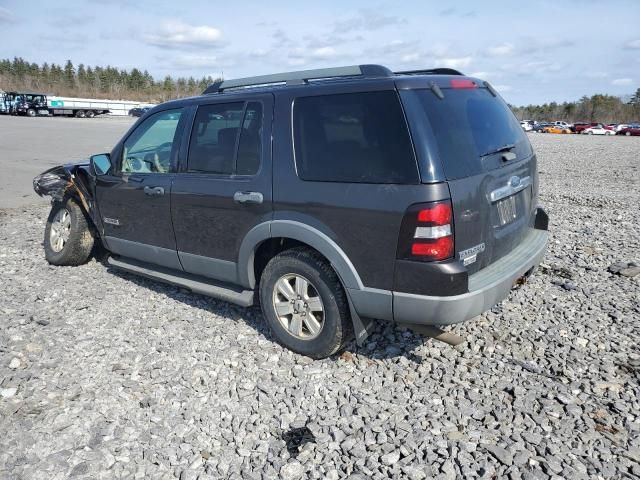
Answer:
x=440 y=214
x=439 y=249
x=463 y=83
x=427 y=232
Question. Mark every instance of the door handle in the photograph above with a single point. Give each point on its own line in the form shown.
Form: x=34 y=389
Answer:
x=154 y=191
x=248 y=197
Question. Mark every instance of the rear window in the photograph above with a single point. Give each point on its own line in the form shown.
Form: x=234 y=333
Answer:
x=354 y=138
x=468 y=124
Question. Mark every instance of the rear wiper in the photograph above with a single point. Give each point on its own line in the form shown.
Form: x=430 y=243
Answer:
x=505 y=148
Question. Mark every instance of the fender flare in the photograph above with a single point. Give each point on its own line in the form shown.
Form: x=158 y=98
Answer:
x=302 y=233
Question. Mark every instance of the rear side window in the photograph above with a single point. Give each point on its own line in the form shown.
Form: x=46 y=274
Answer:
x=467 y=126
x=226 y=139
x=354 y=138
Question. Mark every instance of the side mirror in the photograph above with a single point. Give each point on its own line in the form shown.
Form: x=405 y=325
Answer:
x=101 y=164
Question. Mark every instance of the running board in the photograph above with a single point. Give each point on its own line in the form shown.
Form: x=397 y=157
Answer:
x=197 y=284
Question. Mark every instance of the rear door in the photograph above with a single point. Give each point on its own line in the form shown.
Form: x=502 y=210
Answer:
x=224 y=187
x=134 y=198
x=489 y=165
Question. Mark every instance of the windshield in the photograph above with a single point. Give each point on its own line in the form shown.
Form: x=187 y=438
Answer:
x=469 y=127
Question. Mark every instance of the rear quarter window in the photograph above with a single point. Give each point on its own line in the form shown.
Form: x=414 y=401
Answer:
x=466 y=125
x=353 y=138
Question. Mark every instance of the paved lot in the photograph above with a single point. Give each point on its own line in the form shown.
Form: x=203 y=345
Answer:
x=105 y=375
x=31 y=145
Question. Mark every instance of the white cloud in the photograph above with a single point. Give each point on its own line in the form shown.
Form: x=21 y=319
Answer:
x=632 y=44
x=410 y=57
x=195 y=61
x=503 y=88
x=622 y=81
x=366 y=19
x=300 y=56
x=502 y=50
x=459 y=62
x=480 y=74
x=176 y=34
x=6 y=16
x=596 y=74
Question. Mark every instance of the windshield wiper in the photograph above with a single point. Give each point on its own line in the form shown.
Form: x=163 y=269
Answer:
x=505 y=148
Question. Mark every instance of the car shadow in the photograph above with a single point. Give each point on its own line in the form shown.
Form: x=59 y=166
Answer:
x=385 y=340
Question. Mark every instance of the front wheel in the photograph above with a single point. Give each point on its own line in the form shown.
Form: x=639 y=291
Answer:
x=67 y=237
x=80 y=114
x=304 y=303
x=31 y=112
x=628 y=134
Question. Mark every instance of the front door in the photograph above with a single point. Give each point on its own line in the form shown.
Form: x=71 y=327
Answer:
x=134 y=199
x=224 y=187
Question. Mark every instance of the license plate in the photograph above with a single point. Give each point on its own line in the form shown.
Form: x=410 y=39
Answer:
x=507 y=211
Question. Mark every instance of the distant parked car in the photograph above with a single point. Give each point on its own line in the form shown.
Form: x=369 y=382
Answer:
x=598 y=130
x=577 y=127
x=526 y=126
x=562 y=124
x=556 y=129
x=630 y=130
x=581 y=127
x=138 y=111
x=539 y=127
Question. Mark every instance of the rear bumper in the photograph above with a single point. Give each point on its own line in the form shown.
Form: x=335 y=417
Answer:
x=486 y=288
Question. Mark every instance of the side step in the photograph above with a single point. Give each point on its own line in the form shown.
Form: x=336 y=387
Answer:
x=195 y=283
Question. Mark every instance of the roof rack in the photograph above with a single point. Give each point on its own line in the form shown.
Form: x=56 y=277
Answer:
x=301 y=77
x=432 y=71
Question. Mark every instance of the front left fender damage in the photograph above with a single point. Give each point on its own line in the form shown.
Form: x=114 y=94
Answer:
x=64 y=181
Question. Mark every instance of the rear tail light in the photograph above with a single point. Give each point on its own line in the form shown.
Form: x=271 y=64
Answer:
x=427 y=232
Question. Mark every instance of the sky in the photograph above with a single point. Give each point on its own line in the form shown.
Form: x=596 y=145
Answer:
x=532 y=51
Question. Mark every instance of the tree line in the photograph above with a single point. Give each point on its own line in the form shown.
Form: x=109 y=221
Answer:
x=136 y=84
x=597 y=108
x=96 y=82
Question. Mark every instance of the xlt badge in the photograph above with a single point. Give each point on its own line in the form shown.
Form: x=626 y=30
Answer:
x=470 y=255
x=111 y=221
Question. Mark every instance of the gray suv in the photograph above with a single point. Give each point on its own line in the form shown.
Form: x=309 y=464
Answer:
x=330 y=197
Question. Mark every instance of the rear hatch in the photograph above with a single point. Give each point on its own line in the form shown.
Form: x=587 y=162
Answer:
x=487 y=160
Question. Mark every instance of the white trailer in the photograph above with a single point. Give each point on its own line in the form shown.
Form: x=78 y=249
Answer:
x=89 y=107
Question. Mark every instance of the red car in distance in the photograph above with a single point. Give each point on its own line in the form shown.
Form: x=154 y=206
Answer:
x=580 y=126
x=630 y=130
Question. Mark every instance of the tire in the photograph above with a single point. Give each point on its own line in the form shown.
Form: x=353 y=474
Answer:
x=589 y=133
x=72 y=247
x=328 y=306
x=91 y=114
x=31 y=112
x=628 y=134
x=80 y=114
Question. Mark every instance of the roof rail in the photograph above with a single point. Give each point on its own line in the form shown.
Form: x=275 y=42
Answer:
x=301 y=77
x=432 y=71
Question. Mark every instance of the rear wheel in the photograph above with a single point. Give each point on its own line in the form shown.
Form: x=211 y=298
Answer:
x=91 y=114
x=628 y=134
x=31 y=112
x=67 y=237
x=80 y=114
x=304 y=303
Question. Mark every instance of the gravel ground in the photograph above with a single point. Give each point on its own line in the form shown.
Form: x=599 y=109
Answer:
x=105 y=375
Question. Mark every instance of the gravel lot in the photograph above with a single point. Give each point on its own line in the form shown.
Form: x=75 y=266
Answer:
x=105 y=375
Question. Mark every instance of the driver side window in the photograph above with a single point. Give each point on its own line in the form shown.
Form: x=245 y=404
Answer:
x=150 y=147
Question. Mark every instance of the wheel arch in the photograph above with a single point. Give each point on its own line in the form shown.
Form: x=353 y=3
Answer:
x=291 y=233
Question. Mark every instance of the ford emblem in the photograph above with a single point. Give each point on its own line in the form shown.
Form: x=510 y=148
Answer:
x=514 y=181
